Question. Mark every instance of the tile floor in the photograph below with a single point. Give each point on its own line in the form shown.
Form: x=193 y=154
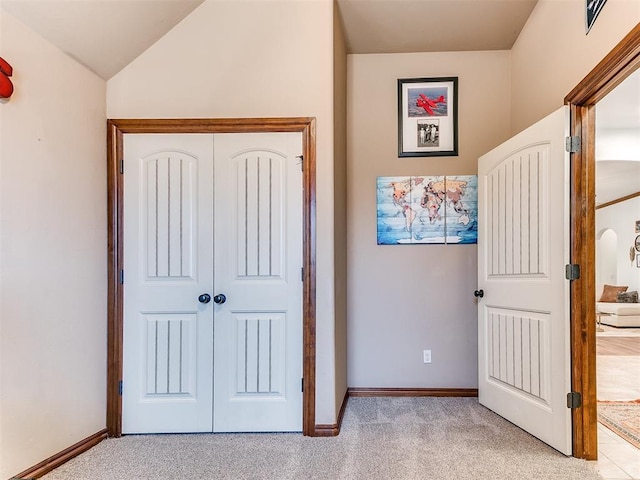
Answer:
x=618 y=379
x=617 y=459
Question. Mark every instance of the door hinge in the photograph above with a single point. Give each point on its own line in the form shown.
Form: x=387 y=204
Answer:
x=572 y=271
x=302 y=384
x=121 y=277
x=122 y=166
x=302 y=274
x=574 y=400
x=572 y=144
x=120 y=388
x=301 y=157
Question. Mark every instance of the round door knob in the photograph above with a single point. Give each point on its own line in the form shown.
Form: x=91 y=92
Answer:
x=479 y=293
x=204 y=298
x=220 y=298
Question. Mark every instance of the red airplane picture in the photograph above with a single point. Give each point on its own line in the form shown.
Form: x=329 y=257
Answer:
x=429 y=104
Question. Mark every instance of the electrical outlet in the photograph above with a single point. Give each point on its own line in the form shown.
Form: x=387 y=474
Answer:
x=426 y=356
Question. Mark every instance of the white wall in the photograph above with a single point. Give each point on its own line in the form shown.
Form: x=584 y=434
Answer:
x=553 y=54
x=253 y=58
x=53 y=252
x=403 y=299
x=606 y=259
x=621 y=218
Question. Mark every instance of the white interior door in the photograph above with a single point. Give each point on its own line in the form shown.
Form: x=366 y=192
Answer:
x=523 y=246
x=258 y=257
x=185 y=197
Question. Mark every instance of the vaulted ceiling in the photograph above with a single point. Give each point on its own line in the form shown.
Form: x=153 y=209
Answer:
x=106 y=35
x=103 y=35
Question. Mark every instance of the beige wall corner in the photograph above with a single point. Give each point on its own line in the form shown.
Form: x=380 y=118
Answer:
x=553 y=53
x=53 y=252
x=251 y=59
x=340 y=204
x=406 y=298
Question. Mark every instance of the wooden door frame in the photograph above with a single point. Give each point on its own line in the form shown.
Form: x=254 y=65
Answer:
x=116 y=129
x=623 y=60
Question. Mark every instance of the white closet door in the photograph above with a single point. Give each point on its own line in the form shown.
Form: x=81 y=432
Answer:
x=186 y=197
x=258 y=257
x=168 y=260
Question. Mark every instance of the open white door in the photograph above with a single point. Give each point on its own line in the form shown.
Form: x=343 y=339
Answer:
x=523 y=246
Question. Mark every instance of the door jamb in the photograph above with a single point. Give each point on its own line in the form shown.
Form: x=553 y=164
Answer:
x=116 y=129
x=613 y=69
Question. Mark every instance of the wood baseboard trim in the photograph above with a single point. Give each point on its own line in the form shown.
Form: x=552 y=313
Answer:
x=333 y=430
x=412 y=392
x=327 y=430
x=64 y=456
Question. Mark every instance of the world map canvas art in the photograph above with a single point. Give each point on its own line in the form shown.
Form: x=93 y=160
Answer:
x=427 y=210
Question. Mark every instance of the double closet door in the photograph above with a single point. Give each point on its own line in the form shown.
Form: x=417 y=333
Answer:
x=212 y=283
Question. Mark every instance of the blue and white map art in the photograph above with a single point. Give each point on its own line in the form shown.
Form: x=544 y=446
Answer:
x=423 y=209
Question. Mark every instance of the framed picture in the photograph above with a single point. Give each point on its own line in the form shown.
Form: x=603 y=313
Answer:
x=592 y=11
x=638 y=260
x=637 y=226
x=428 y=117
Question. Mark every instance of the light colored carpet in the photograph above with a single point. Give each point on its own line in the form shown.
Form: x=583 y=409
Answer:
x=382 y=438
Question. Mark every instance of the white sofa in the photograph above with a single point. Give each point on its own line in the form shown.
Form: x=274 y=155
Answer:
x=619 y=314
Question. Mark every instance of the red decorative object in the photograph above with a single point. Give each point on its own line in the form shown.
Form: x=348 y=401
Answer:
x=429 y=103
x=6 y=87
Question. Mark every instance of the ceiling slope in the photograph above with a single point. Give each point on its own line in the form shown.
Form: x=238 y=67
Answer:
x=403 y=26
x=106 y=35
x=103 y=35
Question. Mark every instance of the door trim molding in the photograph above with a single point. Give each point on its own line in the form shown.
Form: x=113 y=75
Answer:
x=618 y=200
x=623 y=60
x=116 y=129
